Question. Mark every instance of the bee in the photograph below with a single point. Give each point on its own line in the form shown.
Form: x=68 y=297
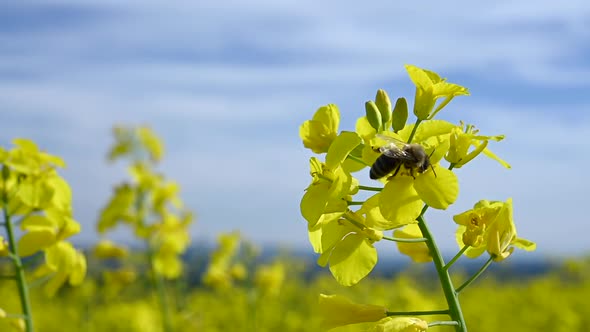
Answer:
x=397 y=153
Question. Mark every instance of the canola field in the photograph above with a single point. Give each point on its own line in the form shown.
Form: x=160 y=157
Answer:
x=286 y=299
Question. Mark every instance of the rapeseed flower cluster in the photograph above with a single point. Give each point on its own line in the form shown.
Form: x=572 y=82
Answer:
x=411 y=156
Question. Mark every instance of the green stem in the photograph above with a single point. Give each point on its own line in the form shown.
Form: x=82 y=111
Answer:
x=443 y=322
x=354 y=203
x=158 y=284
x=476 y=275
x=354 y=222
x=414 y=130
x=156 y=278
x=358 y=160
x=370 y=188
x=399 y=239
x=417 y=313
x=443 y=275
x=457 y=256
x=21 y=281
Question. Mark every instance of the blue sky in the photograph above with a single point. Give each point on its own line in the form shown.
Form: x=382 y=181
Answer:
x=227 y=84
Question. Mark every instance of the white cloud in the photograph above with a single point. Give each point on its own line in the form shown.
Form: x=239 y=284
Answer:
x=227 y=86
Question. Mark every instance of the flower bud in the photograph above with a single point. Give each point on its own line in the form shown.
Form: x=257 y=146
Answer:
x=384 y=104
x=373 y=115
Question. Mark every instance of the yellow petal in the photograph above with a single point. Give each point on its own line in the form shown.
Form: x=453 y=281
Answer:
x=418 y=251
x=374 y=218
x=352 y=259
x=36 y=239
x=399 y=202
x=440 y=190
x=337 y=310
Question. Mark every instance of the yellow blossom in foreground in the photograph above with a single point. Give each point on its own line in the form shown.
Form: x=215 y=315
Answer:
x=400 y=324
x=337 y=310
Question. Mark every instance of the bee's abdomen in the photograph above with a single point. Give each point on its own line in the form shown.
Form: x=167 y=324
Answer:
x=382 y=166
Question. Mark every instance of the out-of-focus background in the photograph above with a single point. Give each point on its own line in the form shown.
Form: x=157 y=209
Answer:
x=227 y=84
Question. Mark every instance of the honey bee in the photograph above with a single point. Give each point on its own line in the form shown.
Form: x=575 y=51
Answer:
x=397 y=153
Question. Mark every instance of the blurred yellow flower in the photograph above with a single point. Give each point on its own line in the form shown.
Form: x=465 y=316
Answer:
x=106 y=249
x=269 y=278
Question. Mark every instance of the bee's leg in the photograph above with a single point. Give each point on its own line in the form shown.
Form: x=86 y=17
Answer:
x=397 y=170
x=412 y=173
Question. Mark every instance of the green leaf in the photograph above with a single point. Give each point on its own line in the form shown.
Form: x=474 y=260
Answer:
x=352 y=259
x=440 y=190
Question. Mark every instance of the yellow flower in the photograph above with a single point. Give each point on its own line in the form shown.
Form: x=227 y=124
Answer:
x=418 y=251
x=337 y=310
x=269 y=278
x=238 y=271
x=106 y=249
x=41 y=232
x=490 y=226
x=218 y=274
x=63 y=263
x=400 y=324
x=319 y=132
x=323 y=200
x=464 y=137
x=429 y=88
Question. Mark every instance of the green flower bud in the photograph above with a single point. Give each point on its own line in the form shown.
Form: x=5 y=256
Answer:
x=373 y=115
x=384 y=104
x=400 y=114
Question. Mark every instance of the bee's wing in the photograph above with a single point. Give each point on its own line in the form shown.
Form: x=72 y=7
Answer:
x=399 y=143
x=395 y=148
x=394 y=152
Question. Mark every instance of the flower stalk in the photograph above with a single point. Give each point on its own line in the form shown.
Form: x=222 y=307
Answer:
x=23 y=289
x=445 y=279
